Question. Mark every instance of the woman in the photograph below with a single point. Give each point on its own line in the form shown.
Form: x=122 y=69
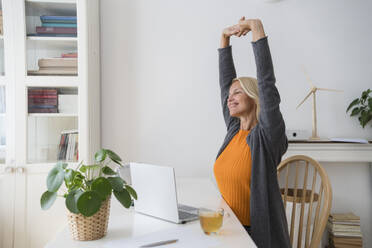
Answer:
x=245 y=168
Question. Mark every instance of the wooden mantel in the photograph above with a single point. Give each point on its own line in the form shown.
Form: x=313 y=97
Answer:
x=326 y=151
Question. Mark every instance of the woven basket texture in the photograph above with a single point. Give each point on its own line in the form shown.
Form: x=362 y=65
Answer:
x=90 y=228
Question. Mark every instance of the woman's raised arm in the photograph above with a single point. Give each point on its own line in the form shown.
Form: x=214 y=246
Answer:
x=270 y=118
x=226 y=70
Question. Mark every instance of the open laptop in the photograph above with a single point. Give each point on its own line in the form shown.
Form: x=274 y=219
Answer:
x=157 y=193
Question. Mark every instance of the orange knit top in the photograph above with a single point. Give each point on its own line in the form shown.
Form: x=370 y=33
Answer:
x=232 y=170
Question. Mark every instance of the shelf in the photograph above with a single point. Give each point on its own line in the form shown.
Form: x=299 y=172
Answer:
x=52 y=39
x=52 y=43
x=332 y=152
x=51 y=115
x=51 y=81
x=50 y=7
x=51 y=1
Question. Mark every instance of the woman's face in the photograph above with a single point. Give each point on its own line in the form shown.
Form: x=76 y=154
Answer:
x=239 y=103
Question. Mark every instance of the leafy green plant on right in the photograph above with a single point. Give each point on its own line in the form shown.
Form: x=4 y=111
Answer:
x=362 y=108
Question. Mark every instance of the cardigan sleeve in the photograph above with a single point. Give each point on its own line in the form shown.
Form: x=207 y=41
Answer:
x=270 y=117
x=226 y=74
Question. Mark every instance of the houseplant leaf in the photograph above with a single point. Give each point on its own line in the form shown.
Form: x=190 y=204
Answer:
x=61 y=165
x=108 y=171
x=100 y=155
x=71 y=200
x=114 y=157
x=69 y=175
x=355 y=111
x=55 y=179
x=47 y=199
x=117 y=183
x=123 y=197
x=83 y=169
x=102 y=186
x=353 y=103
x=131 y=191
x=89 y=203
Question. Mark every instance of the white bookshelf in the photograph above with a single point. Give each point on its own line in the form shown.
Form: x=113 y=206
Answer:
x=32 y=139
x=52 y=81
x=63 y=40
x=50 y=115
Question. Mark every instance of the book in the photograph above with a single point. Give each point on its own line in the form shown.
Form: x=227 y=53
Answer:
x=341 y=227
x=55 y=30
x=42 y=96
x=51 y=35
x=60 y=24
x=68 y=146
x=344 y=217
x=54 y=19
x=46 y=101
x=58 y=62
x=42 y=91
x=60 y=72
x=37 y=110
x=69 y=55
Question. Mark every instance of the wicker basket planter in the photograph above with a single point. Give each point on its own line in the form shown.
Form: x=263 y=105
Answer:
x=90 y=228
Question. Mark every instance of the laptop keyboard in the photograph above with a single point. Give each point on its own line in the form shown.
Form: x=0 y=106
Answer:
x=184 y=215
x=186 y=208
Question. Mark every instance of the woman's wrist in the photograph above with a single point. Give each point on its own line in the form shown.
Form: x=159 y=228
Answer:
x=225 y=41
x=257 y=30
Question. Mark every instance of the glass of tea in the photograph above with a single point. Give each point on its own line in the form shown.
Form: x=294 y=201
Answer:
x=211 y=220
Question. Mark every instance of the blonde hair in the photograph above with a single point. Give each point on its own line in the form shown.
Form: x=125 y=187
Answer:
x=250 y=87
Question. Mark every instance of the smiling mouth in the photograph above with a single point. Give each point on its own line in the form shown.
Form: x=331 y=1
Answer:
x=232 y=105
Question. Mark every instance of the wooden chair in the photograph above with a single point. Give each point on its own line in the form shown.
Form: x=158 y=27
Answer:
x=316 y=195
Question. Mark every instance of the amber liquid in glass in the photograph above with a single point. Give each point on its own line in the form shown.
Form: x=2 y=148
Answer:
x=211 y=222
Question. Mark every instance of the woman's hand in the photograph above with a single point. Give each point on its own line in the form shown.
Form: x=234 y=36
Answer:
x=227 y=33
x=230 y=31
x=254 y=25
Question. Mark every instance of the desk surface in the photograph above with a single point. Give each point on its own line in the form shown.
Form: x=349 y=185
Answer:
x=126 y=224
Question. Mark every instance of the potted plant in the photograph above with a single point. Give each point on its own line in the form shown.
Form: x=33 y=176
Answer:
x=362 y=108
x=88 y=190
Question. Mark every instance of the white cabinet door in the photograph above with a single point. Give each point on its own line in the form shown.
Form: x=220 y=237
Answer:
x=7 y=152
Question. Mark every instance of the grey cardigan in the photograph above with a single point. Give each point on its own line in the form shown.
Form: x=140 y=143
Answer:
x=267 y=142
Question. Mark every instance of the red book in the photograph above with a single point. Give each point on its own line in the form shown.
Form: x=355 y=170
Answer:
x=37 y=110
x=42 y=92
x=43 y=96
x=55 y=30
x=42 y=101
x=69 y=55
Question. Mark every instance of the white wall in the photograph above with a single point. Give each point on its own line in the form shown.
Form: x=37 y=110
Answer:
x=160 y=95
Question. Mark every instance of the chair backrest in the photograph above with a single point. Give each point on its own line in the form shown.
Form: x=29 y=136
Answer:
x=305 y=189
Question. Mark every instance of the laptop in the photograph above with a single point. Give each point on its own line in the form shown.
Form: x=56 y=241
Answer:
x=157 y=193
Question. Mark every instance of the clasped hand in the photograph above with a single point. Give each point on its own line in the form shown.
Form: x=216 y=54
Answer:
x=242 y=28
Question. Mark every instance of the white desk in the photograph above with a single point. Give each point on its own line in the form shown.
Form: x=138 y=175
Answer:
x=126 y=223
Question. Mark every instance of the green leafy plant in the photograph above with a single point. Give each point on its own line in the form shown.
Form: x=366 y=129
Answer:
x=88 y=186
x=362 y=108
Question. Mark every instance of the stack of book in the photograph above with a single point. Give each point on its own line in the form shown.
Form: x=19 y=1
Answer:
x=68 y=146
x=1 y=22
x=57 y=26
x=344 y=231
x=41 y=100
x=66 y=66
